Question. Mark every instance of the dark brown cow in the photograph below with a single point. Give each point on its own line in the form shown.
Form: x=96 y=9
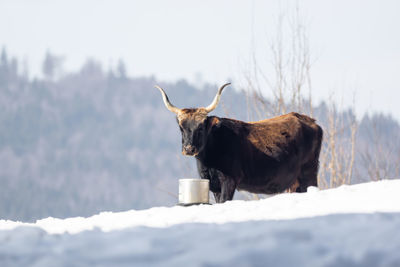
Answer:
x=267 y=157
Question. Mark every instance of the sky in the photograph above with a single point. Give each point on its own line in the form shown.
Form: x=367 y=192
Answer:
x=355 y=45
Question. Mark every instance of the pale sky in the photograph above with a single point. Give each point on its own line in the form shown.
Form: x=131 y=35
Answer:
x=356 y=44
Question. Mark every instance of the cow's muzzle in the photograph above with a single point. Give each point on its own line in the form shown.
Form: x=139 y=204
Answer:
x=189 y=151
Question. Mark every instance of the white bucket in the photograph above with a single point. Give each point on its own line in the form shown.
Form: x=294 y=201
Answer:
x=193 y=191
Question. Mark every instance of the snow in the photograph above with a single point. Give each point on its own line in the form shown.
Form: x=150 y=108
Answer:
x=355 y=225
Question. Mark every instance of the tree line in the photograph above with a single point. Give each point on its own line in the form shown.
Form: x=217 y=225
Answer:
x=77 y=143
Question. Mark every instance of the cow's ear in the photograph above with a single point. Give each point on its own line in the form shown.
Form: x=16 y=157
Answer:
x=214 y=122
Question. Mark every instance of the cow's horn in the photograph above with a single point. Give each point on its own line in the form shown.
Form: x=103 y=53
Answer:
x=168 y=104
x=215 y=102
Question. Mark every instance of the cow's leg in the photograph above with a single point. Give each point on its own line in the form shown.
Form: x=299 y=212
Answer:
x=215 y=185
x=213 y=176
x=293 y=187
x=217 y=196
x=228 y=187
x=309 y=171
x=308 y=176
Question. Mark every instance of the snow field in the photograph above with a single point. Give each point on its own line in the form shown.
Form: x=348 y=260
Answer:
x=354 y=225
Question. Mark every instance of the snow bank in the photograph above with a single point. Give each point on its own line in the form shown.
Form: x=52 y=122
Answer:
x=383 y=196
x=348 y=226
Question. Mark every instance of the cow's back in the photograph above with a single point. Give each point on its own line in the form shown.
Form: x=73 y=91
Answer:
x=276 y=149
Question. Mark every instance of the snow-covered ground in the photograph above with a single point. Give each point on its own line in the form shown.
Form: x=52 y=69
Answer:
x=356 y=225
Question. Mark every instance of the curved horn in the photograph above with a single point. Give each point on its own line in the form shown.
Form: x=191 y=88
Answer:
x=215 y=102
x=168 y=104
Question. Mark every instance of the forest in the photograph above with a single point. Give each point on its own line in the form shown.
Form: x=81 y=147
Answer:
x=77 y=143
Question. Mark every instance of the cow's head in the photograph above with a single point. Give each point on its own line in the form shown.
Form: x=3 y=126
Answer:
x=193 y=123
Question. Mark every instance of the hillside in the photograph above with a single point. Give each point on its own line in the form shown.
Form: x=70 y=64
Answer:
x=97 y=140
x=348 y=226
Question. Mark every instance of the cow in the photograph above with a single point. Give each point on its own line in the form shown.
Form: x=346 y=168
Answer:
x=262 y=157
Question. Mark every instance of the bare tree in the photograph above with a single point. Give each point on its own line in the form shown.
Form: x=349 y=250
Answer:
x=378 y=156
x=290 y=64
x=338 y=149
x=291 y=90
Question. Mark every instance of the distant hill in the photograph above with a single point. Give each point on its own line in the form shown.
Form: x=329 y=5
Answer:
x=98 y=140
